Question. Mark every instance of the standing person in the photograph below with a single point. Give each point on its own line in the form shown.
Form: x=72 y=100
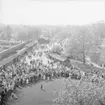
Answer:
x=41 y=87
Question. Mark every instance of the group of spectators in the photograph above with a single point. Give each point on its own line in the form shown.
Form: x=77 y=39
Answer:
x=22 y=73
x=30 y=69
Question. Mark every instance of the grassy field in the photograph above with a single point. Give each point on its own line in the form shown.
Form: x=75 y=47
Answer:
x=35 y=96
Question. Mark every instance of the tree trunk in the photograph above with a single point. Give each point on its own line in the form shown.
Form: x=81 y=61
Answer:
x=84 y=60
x=84 y=50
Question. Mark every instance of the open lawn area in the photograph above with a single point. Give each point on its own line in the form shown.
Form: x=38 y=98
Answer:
x=33 y=95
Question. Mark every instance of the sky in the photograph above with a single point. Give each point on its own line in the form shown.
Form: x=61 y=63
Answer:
x=51 y=12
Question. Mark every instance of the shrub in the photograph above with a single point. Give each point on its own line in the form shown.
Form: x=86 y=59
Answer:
x=56 y=49
x=81 y=93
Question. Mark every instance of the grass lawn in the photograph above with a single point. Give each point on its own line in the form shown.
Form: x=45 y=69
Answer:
x=35 y=96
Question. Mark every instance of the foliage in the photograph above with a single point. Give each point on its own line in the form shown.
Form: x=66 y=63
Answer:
x=28 y=33
x=102 y=52
x=78 y=41
x=79 y=44
x=23 y=36
x=56 y=49
x=6 y=33
x=81 y=93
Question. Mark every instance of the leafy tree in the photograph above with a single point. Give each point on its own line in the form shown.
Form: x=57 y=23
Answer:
x=6 y=33
x=81 y=93
x=27 y=33
x=79 y=44
x=56 y=49
x=102 y=52
x=22 y=36
x=34 y=33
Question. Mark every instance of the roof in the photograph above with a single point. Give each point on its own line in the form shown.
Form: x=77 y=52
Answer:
x=9 y=52
x=20 y=52
x=43 y=41
x=9 y=59
x=57 y=57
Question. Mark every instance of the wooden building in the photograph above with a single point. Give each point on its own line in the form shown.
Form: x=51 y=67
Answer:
x=58 y=58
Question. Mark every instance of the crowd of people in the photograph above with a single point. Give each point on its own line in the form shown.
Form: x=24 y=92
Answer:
x=30 y=69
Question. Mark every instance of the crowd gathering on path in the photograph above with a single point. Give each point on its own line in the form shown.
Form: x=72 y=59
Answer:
x=30 y=69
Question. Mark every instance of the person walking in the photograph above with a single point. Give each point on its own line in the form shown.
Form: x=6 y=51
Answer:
x=41 y=87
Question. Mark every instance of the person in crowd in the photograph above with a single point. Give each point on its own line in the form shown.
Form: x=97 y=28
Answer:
x=29 y=69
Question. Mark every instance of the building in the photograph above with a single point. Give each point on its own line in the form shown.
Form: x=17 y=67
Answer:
x=43 y=41
x=58 y=58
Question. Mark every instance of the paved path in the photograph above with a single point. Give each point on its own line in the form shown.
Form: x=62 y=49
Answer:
x=35 y=96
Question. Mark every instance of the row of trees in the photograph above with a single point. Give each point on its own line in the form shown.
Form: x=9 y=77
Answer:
x=81 y=42
x=22 y=33
x=77 y=41
x=87 y=40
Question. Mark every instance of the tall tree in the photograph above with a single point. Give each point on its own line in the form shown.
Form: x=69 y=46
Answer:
x=6 y=33
x=80 y=44
x=34 y=33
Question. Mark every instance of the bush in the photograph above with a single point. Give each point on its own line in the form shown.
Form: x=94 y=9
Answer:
x=81 y=93
x=56 y=49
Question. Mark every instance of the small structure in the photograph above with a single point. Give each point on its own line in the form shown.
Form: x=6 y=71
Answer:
x=7 y=61
x=43 y=41
x=63 y=60
x=67 y=63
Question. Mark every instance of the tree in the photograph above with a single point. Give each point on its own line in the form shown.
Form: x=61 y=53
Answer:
x=98 y=30
x=79 y=43
x=102 y=52
x=50 y=31
x=34 y=33
x=81 y=93
x=6 y=33
x=22 y=36
x=57 y=49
